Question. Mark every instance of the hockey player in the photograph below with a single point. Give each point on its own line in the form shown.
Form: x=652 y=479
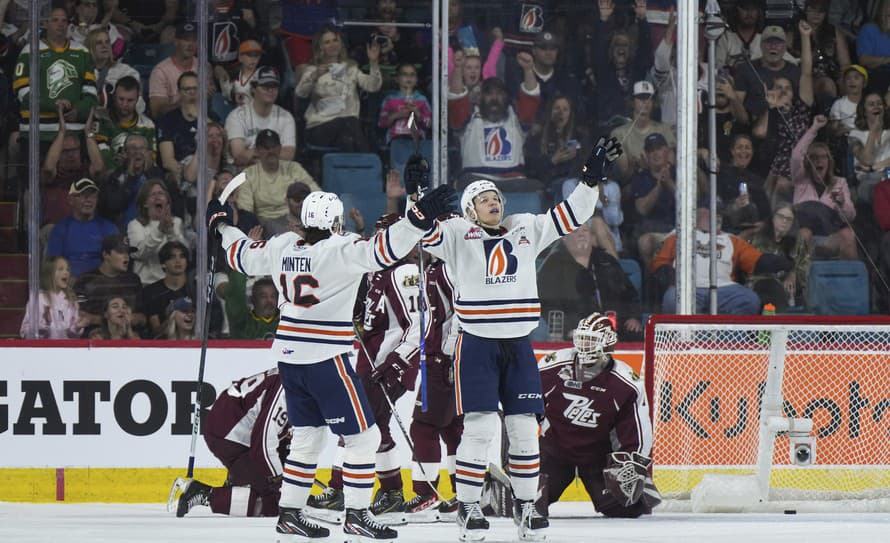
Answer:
x=492 y=262
x=247 y=429
x=391 y=337
x=318 y=276
x=596 y=425
x=440 y=421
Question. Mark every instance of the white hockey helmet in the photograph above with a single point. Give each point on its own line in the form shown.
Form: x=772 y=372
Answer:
x=594 y=339
x=475 y=189
x=322 y=210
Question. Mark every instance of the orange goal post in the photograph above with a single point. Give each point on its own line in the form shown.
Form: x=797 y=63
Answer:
x=770 y=413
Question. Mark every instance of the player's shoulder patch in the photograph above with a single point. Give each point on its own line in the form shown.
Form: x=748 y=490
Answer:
x=627 y=373
x=555 y=358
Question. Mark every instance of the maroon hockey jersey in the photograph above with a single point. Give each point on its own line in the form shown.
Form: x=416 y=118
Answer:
x=253 y=412
x=439 y=335
x=586 y=421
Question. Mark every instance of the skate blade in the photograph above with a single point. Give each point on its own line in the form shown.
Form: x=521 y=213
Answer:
x=292 y=538
x=532 y=535
x=471 y=536
x=392 y=519
x=448 y=517
x=179 y=486
x=428 y=515
x=329 y=516
x=353 y=538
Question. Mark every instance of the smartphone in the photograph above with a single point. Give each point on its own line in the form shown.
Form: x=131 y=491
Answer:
x=743 y=188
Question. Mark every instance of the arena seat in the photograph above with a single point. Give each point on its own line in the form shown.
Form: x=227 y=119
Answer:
x=358 y=179
x=838 y=287
x=401 y=149
x=523 y=202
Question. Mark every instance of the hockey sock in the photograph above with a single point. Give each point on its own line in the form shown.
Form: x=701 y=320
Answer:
x=241 y=501
x=299 y=468
x=389 y=471
x=358 y=467
x=337 y=467
x=524 y=462
x=472 y=454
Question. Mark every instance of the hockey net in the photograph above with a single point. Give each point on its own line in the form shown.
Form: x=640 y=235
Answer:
x=719 y=385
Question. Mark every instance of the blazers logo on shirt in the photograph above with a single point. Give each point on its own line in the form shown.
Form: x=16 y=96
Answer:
x=501 y=263
x=498 y=147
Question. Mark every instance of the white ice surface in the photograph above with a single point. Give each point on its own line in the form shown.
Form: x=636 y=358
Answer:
x=570 y=523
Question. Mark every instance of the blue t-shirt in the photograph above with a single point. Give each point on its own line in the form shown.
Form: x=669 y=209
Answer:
x=80 y=242
x=870 y=41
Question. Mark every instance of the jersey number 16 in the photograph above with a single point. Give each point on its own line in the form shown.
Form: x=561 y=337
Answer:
x=295 y=294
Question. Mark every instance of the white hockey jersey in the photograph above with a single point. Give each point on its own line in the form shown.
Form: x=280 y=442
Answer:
x=317 y=284
x=495 y=276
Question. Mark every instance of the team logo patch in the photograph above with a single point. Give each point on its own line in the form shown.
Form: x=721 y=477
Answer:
x=473 y=233
x=60 y=75
x=532 y=19
x=286 y=351
x=501 y=263
x=498 y=147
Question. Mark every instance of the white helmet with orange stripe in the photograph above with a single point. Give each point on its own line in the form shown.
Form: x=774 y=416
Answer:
x=474 y=189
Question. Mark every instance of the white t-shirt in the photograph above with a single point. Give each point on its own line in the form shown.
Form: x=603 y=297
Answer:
x=244 y=123
x=844 y=110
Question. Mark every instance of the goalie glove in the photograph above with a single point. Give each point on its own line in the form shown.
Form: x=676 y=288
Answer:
x=417 y=174
x=625 y=476
x=390 y=373
x=603 y=155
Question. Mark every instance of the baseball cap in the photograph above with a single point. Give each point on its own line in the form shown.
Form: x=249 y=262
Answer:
x=267 y=139
x=116 y=242
x=184 y=304
x=857 y=68
x=186 y=30
x=82 y=185
x=653 y=141
x=297 y=190
x=267 y=75
x=772 y=32
x=546 y=39
x=250 y=46
x=643 y=87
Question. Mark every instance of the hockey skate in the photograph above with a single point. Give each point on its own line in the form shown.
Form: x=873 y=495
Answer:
x=530 y=523
x=293 y=526
x=423 y=508
x=448 y=510
x=361 y=527
x=195 y=493
x=327 y=506
x=388 y=507
x=471 y=521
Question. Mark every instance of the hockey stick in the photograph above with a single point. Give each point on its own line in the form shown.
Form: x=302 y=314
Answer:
x=421 y=298
x=395 y=415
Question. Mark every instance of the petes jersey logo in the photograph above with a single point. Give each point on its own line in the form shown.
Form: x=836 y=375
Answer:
x=501 y=263
x=532 y=19
x=579 y=412
x=60 y=75
x=498 y=147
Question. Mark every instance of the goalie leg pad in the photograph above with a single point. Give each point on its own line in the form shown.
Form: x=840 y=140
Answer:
x=523 y=452
x=299 y=468
x=472 y=454
x=358 y=463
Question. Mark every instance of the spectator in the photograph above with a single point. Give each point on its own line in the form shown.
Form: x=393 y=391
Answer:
x=753 y=78
x=331 y=83
x=164 y=88
x=398 y=45
x=464 y=34
x=493 y=137
x=233 y=23
x=57 y=304
x=742 y=190
x=634 y=134
x=399 y=105
x=741 y=41
x=238 y=88
x=881 y=209
x=296 y=193
x=79 y=237
x=556 y=153
x=258 y=322
x=62 y=165
x=117 y=199
x=177 y=128
x=822 y=200
x=264 y=193
x=829 y=45
x=843 y=110
x=180 y=321
x=174 y=259
x=870 y=143
x=471 y=74
x=245 y=122
x=735 y=257
x=216 y=159
x=86 y=20
x=654 y=195
x=581 y=276
x=116 y=321
x=873 y=47
x=779 y=236
x=663 y=73
x=69 y=82
x=109 y=70
x=153 y=226
x=626 y=60
x=110 y=279
x=729 y=118
x=123 y=120
x=149 y=23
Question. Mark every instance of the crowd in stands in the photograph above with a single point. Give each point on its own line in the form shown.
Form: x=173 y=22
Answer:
x=803 y=142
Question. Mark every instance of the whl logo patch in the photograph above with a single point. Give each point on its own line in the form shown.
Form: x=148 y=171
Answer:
x=579 y=412
x=501 y=263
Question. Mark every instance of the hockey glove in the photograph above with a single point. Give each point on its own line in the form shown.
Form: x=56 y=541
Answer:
x=218 y=214
x=625 y=476
x=417 y=174
x=438 y=202
x=390 y=373
x=603 y=155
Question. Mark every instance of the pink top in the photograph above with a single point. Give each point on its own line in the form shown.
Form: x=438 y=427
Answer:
x=805 y=187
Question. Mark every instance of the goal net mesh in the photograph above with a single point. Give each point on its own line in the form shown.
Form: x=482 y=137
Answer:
x=706 y=382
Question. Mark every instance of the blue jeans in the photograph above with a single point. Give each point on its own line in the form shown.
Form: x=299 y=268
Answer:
x=732 y=299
